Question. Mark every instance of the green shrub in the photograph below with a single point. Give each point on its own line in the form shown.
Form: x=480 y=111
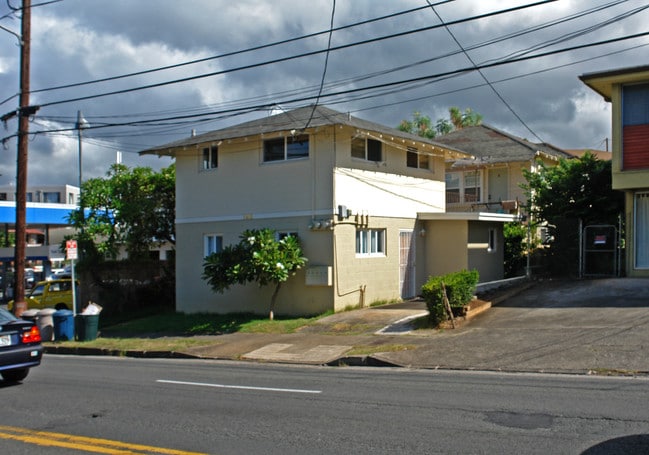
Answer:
x=460 y=288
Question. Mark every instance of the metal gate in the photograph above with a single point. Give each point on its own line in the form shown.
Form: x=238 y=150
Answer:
x=600 y=251
x=407 y=264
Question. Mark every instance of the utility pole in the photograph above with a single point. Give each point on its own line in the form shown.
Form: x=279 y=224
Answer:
x=24 y=112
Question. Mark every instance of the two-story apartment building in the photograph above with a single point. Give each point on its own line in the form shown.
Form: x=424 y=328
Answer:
x=491 y=179
x=366 y=201
x=628 y=91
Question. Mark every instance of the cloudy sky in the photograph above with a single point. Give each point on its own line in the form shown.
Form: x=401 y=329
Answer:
x=99 y=47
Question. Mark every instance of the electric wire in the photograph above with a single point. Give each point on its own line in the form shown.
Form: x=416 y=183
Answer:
x=291 y=57
x=500 y=97
x=256 y=108
x=324 y=71
x=244 y=101
x=238 y=52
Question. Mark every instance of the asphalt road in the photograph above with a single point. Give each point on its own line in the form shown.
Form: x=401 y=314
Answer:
x=234 y=408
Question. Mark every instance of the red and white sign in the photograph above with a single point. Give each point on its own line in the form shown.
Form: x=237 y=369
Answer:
x=71 y=249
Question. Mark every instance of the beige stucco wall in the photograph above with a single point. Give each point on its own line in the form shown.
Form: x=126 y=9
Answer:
x=242 y=186
x=454 y=245
x=193 y=295
x=362 y=280
x=489 y=263
x=446 y=246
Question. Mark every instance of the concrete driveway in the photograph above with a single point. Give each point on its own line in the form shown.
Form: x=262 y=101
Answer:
x=597 y=326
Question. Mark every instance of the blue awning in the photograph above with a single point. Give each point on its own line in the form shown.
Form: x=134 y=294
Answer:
x=37 y=213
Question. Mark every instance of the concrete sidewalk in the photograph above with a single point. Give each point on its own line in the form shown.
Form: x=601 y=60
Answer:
x=587 y=327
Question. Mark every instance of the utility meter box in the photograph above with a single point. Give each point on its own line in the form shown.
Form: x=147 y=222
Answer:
x=319 y=275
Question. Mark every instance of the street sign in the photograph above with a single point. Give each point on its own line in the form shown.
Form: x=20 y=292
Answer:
x=71 y=249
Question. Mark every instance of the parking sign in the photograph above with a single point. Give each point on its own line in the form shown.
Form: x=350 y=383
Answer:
x=71 y=249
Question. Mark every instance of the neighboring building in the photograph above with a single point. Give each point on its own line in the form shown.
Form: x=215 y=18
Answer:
x=49 y=194
x=628 y=91
x=366 y=201
x=47 y=211
x=601 y=155
x=491 y=179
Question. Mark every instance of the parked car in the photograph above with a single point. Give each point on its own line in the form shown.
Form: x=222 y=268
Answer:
x=20 y=347
x=55 y=294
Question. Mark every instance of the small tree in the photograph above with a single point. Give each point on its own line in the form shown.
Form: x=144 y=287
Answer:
x=258 y=257
x=561 y=195
x=131 y=207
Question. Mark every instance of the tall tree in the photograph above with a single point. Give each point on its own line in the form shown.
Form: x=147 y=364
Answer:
x=422 y=125
x=258 y=257
x=419 y=125
x=134 y=208
x=461 y=119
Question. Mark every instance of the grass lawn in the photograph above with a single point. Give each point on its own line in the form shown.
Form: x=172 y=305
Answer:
x=180 y=324
x=178 y=331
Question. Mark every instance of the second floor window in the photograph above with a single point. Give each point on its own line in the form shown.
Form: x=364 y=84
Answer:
x=463 y=187
x=210 y=158
x=286 y=148
x=416 y=160
x=367 y=149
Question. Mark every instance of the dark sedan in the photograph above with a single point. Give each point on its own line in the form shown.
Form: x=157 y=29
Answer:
x=20 y=347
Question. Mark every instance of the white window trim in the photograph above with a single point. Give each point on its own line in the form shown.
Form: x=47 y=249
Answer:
x=380 y=249
x=463 y=187
x=206 y=243
x=637 y=240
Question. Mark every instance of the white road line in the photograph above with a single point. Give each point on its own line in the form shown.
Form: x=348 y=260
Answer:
x=243 y=387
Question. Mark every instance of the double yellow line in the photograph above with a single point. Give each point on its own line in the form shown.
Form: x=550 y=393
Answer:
x=95 y=445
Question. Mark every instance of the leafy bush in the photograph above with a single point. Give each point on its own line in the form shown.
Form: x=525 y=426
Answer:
x=460 y=288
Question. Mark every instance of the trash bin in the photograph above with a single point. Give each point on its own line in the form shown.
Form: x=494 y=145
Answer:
x=87 y=326
x=45 y=323
x=63 y=325
x=29 y=315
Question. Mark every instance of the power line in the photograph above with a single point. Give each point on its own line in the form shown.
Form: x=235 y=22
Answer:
x=248 y=109
x=500 y=97
x=239 y=52
x=324 y=71
x=392 y=70
x=293 y=57
x=272 y=96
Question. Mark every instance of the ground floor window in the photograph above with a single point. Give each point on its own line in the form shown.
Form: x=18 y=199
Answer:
x=641 y=229
x=212 y=243
x=370 y=242
x=492 y=241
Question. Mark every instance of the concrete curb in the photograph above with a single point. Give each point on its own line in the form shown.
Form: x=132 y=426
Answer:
x=79 y=350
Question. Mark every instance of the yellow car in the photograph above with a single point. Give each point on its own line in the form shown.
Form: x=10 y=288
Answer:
x=55 y=294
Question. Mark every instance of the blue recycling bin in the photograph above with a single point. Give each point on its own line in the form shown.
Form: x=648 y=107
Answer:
x=63 y=325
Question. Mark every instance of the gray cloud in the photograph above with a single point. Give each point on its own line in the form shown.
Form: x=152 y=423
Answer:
x=78 y=40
